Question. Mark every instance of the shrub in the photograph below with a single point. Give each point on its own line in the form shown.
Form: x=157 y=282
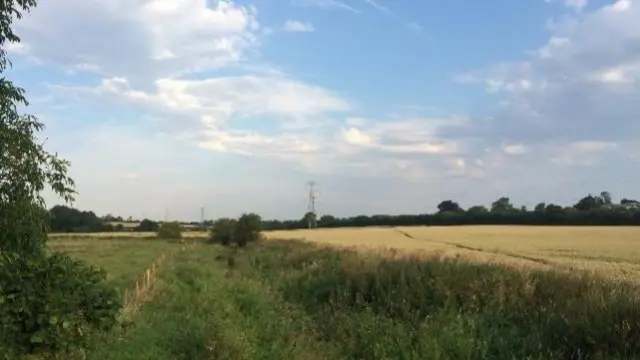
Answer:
x=49 y=305
x=222 y=231
x=170 y=230
x=247 y=229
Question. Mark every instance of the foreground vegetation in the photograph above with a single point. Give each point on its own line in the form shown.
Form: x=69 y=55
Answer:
x=294 y=300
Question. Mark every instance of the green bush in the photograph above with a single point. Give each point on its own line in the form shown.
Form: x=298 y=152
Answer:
x=247 y=229
x=49 y=305
x=222 y=231
x=170 y=230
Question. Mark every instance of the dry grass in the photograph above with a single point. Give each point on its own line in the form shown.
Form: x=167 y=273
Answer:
x=611 y=251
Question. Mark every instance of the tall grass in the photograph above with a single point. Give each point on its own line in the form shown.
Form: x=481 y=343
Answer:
x=294 y=300
x=450 y=309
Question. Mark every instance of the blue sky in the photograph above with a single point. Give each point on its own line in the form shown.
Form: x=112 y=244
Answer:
x=390 y=106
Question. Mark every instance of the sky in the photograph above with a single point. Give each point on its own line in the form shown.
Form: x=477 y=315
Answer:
x=389 y=106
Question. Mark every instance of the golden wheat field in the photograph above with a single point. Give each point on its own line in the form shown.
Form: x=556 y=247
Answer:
x=610 y=251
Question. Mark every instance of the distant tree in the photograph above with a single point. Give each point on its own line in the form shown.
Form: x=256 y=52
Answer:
x=589 y=202
x=630 y=203
x=67 y=219
x=147 y=225
x=327 y=220
x=309 y=219
x=449 y=206
x=540 y=208
x=502 y=205
x=477 y=210
x=554 y=209
x=170 y=230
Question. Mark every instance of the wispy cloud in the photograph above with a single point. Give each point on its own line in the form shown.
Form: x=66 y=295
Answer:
x=326 y=4
x=378 y=6
x=297 y=26
x=415 y=27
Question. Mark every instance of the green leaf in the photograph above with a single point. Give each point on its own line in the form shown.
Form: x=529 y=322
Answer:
x=53 y=320
x=37 y=338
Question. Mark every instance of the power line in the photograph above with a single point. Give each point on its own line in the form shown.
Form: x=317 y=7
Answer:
x=311 y=205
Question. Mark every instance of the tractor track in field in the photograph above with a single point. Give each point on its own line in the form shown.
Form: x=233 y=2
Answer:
x=470 y=248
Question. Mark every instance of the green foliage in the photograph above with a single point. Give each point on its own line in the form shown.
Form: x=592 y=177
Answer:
x=25 y=166
x=51 y=305
x=449 y=206
x=48 y=304
x=147 y=225
x=245 y=229
x=67 y=219
x=170 y=230
x=222 y=231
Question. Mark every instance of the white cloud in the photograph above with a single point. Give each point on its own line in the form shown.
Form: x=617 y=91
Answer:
x=356 y=137
x=297 y=26
x=581 y=85
x=378 y=6
x=576 y=4
x=398 y=136
x=326 y=4
x=514 y=149
x=145 y=39
x=17 y=48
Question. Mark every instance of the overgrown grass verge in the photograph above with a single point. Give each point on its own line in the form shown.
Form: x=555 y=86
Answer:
x=293 y=300
x=412 y=308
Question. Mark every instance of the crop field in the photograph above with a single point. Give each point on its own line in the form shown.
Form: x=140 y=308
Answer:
x=609 y=251
x=477 y=292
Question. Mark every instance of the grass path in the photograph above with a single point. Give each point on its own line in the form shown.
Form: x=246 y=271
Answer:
x=203 y=310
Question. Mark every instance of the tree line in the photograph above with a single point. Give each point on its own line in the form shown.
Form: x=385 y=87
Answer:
x=589 y=210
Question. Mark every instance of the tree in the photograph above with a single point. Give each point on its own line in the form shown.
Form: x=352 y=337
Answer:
x=449 y=206
x=630 y=204
x=47 y=301
x=588 y=203
x=68 y=219
x=477 y=210
x=247 y=229
x=222 y=231
x=502 y=205
x=170 y=230
x=310 y=219
x=147 y=225
x=326 y=220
